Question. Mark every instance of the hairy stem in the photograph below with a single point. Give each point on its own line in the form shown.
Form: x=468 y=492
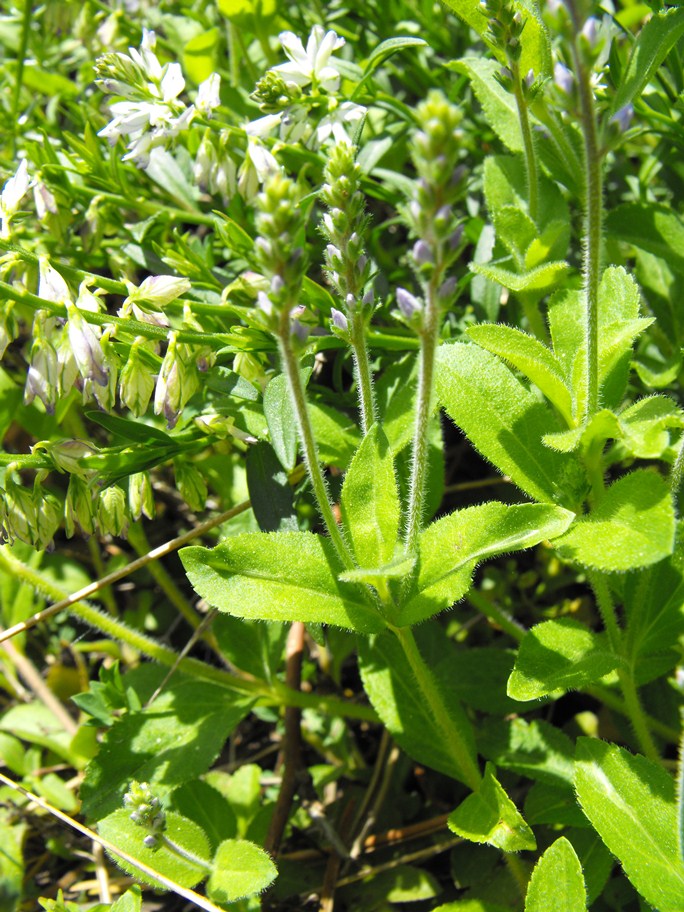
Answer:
x=457 y=744
x=362 y=372
x=528 y=145
x=425 y=393
x=290 y=365
x=635 y=711
x=593 y=214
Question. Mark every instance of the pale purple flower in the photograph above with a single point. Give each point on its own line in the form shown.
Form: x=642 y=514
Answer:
x=563 y=78
x=408 y=303
x=158 y=290
x=51 y=285
x=339 y=320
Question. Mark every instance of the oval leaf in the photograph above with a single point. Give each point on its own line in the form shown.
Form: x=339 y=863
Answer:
x=557 y=884
x=240 y=869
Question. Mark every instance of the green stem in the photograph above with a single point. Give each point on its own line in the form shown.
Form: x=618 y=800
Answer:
x=362 y=372
x=633 y=705
x=290 y=365
x=593 y=212
x=131 y=327
x=419 y=459
x=19 y=74
x=457 y=745
x=496 y=614
x=612 y=701
x=276 y=693
x=528 y=145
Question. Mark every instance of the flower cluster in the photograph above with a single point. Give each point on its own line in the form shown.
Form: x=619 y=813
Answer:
x=152 y=114
x=299 y=98
x=430 y=212
x=146 y=811
x=280 y=259
x=344 y=226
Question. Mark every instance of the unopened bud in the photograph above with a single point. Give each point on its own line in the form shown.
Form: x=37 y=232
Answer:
x=563 y=78
x=111 y=512
x=422 y=253
x=79 y=508
x=408 y=303
x=339 y=320
x=190 y=484
x=136 y=383
x=623 y=118
x=140 y=496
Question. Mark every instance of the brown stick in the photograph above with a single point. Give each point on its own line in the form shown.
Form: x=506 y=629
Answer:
x=291 y=754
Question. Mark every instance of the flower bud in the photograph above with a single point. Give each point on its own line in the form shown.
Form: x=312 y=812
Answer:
x=409 y=305
x=190 y=484
x=623 y=118
x=85 y=345
x=422 y=253
x=158 y=290
x=137 y=381
x=51 y=285
x=563 y=78
x=67 y=455
x=79 y=508
x=339 y=321
x=111 y=512
x=140 y=496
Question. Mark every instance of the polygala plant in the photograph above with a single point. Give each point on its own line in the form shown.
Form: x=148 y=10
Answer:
x=302 y=315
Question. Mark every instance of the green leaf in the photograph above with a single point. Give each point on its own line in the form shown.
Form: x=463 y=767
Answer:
x=529 y=356
x=269 y=490
x=555 y=806
x=279 y=576
x=557 y=884
x=240 y=869
x=498 y=105
x=489 y=815
x=119 y=829
x=535 y=53
x=386 y=48
x=603 y=425
x=200 y=54
x=541 y=279
x=370 y=501
x=207 y=807
x=280 y=417
x=12 y=834
x=177 y=738
x=653 y=44
x=243 y=10
x=632 y=526
x=658 y=229
x=557 y=656
x=533 y=749
x=630 y=802
x=337 y=435
x=654 y=604
x=644 y=425
x=597 y=862
x=451 y=548
x=392 y=689
x=502 y=419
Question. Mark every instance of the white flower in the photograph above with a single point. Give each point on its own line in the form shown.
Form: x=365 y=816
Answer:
x=340 y=123
x=172 y=82
x=158 y=290
x=208 y=96
x=263 y=126
x=310 y=65
x=51 y=285
x=259 y=164
x=146 y=58
x=44 y=200
x=13 y=192
x=85 y=344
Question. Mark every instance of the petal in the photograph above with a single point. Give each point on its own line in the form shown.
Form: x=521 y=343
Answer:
x=293 y=47
x=172 y=83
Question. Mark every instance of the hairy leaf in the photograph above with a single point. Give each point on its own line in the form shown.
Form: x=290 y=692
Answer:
x=630 y=801
x=240 y=869
x=489 y=815
x=451 y=548
x=556 y=656
x=633 y=526
x=279 y=576
x=557 y=884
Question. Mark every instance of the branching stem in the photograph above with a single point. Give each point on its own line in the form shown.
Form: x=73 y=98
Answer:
x=362 y=371
x=528 y=145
